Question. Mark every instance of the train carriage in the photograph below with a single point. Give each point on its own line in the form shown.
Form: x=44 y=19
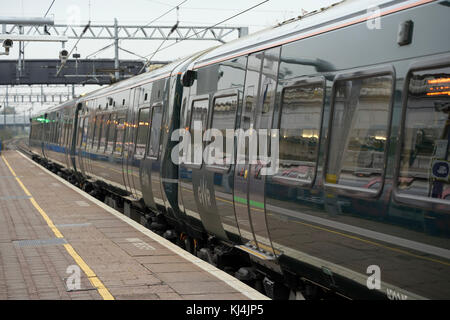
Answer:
x=356 y=99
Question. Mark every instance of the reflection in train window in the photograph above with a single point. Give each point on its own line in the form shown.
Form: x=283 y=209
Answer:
x=359 y=131
x=67 y=132
x=299 y=131
x=142 y=134
x=425 y=163
x=111 y=133
x=92 y=122
x=199 y=119
x=80 y=130
x=223 y=118
x=84 y=137
x=62 y=135
x=104 y=132
x=157 y=113
x=120 y=135
x=98 y=132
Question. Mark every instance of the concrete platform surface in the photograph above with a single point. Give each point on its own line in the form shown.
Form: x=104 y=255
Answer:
x=57 y=242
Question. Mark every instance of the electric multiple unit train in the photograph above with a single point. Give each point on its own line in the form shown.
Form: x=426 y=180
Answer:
x=360 y=103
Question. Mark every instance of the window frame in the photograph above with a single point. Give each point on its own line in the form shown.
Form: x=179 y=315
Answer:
x=398 y=196
x=147 y=154
x=80 y=127
x=105 y=117
x=298 y=83
x=100 y=132
x=94 y=127
x=356 y=192
x=147 y=143
x=112 y=119
x=118 y=118
x=222 y=94
x=194 y=99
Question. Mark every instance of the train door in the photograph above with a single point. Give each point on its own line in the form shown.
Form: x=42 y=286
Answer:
x=81 y=142
x=119 y=147
x=70 y=119
x=143 y=119
x=256 y=122
x=132 y=169
x=90 y=123
x=257 y=171
x=64 y=139
x=240 y=197
x=45 y=134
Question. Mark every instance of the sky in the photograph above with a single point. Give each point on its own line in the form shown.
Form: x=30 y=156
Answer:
x=141 y=12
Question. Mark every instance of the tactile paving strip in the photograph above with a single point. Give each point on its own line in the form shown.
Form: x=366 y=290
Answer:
x=73 y=225
x=40 y=242
x=15 y=197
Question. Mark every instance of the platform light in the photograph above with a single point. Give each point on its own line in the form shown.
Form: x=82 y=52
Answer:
x=63 y=55
x=7 y=44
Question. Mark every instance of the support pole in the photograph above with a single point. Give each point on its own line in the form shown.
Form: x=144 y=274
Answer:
x=4 y=110
x=21 y=57
x=116 y=50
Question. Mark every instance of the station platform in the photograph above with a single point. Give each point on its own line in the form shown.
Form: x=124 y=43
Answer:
x=58 y=242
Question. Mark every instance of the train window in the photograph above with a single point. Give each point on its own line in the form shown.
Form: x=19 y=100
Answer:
x=62 y=133
x=98 y=131
x=142 y=132
x=359 y=131
x=300 y=123
x=84 y=137
x=46 y=130
x=69 y=131
x=111 y=133
x=53 y=124
x=80 y=130
x=199 y=119
x=120 y=135
x=59 y=126
x=55 y=132
x=157 y=114
x=104 y=131
x=223 y=118
x=424 y=162
x=91 y=130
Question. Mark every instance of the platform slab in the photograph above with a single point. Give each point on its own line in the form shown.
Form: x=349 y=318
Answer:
x=125 y=260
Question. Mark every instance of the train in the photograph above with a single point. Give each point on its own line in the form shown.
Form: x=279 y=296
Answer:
x=356 y=99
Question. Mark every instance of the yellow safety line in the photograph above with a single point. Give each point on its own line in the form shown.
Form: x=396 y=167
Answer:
x=95 y=281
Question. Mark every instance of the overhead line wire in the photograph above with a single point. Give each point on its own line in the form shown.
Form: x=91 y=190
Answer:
x=203 y=30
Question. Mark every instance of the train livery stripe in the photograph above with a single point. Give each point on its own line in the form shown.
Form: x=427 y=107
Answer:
x=95 y=281
x=253 y=203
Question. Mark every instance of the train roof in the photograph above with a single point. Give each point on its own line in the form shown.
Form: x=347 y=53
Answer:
x=131 y=82
x=69 y=103
x=326 y=19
